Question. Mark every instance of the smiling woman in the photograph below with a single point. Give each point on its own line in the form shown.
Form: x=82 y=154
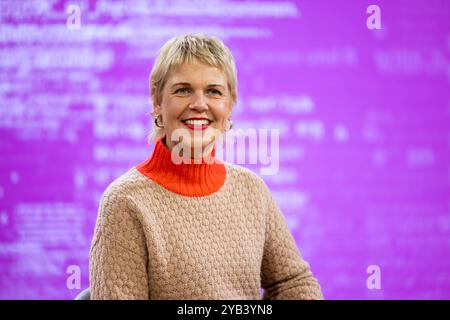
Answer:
x=202 y=230
x=193 y=78
x=196 y=96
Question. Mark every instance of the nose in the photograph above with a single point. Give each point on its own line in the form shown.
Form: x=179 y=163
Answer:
x=198 y=102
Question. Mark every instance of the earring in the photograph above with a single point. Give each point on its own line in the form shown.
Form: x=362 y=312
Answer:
x=230 y=125
x=156 y=122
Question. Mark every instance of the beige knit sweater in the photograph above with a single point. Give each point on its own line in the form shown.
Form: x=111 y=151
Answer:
x=152 y=243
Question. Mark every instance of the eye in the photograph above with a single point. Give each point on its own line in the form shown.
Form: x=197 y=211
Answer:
x=182 y=91
x=215 y=91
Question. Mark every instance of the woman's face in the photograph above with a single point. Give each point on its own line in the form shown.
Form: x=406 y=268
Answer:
x=194 y=91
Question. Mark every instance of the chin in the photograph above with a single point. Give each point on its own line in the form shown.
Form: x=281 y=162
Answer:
x=199 y=143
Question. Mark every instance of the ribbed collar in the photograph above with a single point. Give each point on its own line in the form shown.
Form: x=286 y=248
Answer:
x=187 y=179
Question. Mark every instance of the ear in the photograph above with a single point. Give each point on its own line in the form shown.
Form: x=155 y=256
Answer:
x=156 y=108
x=229 y=110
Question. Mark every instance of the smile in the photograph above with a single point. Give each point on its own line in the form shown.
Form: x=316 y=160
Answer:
x=194 y=124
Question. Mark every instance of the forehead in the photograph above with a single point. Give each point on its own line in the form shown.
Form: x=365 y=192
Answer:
x=196 y=73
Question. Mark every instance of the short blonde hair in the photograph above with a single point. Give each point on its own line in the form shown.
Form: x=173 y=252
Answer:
x=188 y=49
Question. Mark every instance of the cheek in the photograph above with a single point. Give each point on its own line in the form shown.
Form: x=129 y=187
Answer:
x=172 y=110
x=225 y=116
x=222 y=111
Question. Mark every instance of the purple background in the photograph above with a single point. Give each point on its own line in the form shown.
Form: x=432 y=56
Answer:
x=363 y=118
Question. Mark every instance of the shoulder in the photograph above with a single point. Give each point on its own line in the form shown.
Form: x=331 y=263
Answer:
x=117 y=216
x=249 y=186
x=245 y=177
x=127 y=184
x=122 y=189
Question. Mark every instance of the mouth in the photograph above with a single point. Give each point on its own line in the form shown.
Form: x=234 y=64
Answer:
x=197 y=123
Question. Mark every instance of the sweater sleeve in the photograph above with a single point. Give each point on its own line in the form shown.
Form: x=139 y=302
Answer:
x=284 y=273
x=118 y=256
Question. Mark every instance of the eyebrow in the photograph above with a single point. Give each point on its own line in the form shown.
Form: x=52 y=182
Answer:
x=188 y=84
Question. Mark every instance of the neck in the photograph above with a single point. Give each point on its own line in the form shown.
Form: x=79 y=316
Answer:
x=199 y=177
x=191 y=154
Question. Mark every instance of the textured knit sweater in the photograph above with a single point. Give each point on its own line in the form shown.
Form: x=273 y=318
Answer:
x=194 y=231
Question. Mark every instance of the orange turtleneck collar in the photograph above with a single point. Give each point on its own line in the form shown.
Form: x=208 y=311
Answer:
x=192 y=180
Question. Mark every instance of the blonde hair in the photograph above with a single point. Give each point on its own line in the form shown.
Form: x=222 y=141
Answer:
x=188 y=49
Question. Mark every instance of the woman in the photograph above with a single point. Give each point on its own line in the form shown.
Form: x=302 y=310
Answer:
x=200 y=229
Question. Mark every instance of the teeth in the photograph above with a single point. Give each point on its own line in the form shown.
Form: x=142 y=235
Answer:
x=197 y=122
